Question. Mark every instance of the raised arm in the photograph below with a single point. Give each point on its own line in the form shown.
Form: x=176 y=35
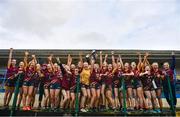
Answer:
x=64 y=70
x=173 y=61
x=50 y=61
x=113 y=59
x=34 y=59
x=10 y=58
x=92 y=65
x=101 y=59
x=120 y=60
x=145 y=59
x=147 y=62
x=69 y=60
x=105 y=58
x=140 y=62
x=80 y=58
x=61 y=66
x=26 y=59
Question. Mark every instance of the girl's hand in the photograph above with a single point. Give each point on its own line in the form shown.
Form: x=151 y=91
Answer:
x=33 y=56
x=11 y=49
x=158 y=75
x=123 y=74
x=100 y=52
x=147 y=54
x=26 y=53
x=164 y=72
x=138 y=53
x=58 y=60
x=19 y=72
x=146 y=72
x=50 y=58
x=112 y=52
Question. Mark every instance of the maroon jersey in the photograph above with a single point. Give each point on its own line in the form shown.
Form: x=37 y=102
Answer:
x=11 y=72
x=10 y=81
x=73 y=80
x=117 y=75
x=102 y=75
x=22 y=75
x=109 y=78
x=147 y=80
x=47 y=77
x=136 y=73
x=156 y=78
x=36 y=79
x=169 y=73
x=127 y=78
x=95 y=76
x=156 y=72
x=29 y=74
x=19 y=69
x=66 y=81
x=56 y=77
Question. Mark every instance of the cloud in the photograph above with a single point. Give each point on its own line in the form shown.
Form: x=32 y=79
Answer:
x=91 y=24
x=36 y=17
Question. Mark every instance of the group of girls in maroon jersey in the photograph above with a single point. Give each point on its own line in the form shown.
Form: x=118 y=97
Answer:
x=101 y=83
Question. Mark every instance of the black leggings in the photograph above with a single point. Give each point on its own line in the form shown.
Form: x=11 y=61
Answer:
x=41 y=91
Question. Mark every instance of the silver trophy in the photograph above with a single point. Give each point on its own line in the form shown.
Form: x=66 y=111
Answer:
x=92 y=56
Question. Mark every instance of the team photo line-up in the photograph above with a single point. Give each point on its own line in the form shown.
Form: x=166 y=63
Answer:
x=100 y=88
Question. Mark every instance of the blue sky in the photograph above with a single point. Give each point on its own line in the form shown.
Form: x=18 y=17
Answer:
x=90 y=24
